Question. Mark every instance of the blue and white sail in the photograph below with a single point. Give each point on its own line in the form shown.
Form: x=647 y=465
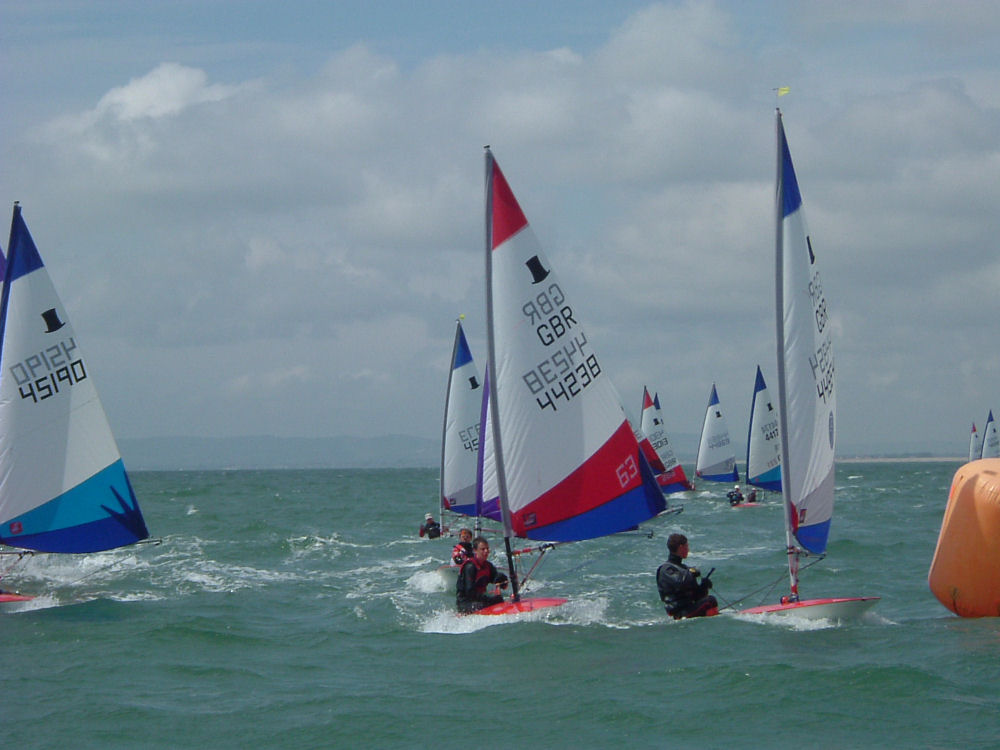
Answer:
x=568 y=464
x=991 y=439
x=807 y=399
x=763 y=443
x=63 y=486
x=460 y=441
x=716 y=454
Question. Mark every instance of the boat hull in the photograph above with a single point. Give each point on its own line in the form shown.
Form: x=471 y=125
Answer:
x=8 y=597
x=746 y=505
x=522 y=605
x=846 y=608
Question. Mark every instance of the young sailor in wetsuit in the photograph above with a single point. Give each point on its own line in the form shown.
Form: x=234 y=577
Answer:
x=476 y=574
x=735 y=496
x=680 y=591
x=462 y=550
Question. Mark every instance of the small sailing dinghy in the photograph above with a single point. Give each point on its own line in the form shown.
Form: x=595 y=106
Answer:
x=568 y=465
x=806 y=398
x=763 y=445
x=716 y=455
x=63 y=486
x=671 y=476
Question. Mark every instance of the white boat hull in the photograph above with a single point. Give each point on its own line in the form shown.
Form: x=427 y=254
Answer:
x=848 y=608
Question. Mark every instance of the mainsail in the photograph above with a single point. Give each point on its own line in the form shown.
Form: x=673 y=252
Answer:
x=568 y=464
x=763 y=444
x=716 y=454
x=807 y=402
x=461 y=438
x=63 y=486
x=991 y=439
x=975 y=445
x=671 y=476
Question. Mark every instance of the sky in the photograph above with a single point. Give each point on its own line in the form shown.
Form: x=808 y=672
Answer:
x=264 y=219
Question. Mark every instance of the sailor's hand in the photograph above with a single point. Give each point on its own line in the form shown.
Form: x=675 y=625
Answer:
x=695 y=572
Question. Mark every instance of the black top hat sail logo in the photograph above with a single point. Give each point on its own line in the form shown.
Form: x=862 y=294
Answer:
x=538 y=271
x=52 y=322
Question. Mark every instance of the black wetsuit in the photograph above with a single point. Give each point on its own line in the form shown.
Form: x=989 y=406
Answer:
x=680 y=591
x=431 y=529
x=473 y=578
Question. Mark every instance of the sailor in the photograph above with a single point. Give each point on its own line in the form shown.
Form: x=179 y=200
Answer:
x=680 y=591
x=752 y=497
x=476 y=574
x=735 y=496
x=462 y=550
x=431 y=528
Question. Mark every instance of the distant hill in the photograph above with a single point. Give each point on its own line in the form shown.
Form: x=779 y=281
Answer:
x=268 y=452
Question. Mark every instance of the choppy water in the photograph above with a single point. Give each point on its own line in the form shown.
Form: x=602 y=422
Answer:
x=299 y=609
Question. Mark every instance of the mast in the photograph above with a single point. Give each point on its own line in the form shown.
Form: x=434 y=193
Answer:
x=786 y=484
x=491 y=367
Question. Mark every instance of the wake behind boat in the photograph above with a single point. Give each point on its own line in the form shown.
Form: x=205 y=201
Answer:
x=64 y=484
x=806 y=398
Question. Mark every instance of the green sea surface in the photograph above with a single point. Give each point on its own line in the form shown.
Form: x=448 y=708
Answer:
x=300 y=609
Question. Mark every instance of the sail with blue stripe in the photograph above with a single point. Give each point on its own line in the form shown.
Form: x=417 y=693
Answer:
x=63 y=486
x=763 y=439
x=461 y=437
x=991 y=439
x=807 y=399
x=568 y=464
x=669 y=472
x=716 y=454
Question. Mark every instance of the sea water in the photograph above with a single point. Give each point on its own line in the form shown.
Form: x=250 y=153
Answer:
x=300 y=609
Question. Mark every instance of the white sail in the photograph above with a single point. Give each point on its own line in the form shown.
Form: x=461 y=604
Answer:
x=568 y=464
x=63 y=486
x=975 y=445
x=807 y=401
x=763 y=443
x=460 y=441
x=716 y=453
x=991 y=438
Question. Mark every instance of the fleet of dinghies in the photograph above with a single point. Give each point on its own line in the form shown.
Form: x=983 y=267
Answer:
x=63 y=486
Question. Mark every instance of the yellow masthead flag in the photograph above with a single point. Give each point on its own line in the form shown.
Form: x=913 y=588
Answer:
x=783 y=90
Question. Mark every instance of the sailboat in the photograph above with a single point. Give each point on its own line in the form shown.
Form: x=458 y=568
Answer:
x=763 y=445
x=671 y=476
x=716 y=454
x=460 y=440
x=991 y=439
x=975 y=445
x=568 y=465
x=806 y=397
x=63 y=486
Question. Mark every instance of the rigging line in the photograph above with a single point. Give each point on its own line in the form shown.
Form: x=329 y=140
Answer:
x=20 y=556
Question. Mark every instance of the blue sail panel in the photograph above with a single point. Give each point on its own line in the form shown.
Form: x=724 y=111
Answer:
x=101 y=513
x=813 y=538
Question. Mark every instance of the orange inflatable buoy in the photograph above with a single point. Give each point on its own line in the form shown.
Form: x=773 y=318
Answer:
x=965 y=572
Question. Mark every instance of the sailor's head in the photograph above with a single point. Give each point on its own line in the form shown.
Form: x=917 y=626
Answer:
x=465 y=535
x=429 y=517
x=675 y=542
x=736 y=487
